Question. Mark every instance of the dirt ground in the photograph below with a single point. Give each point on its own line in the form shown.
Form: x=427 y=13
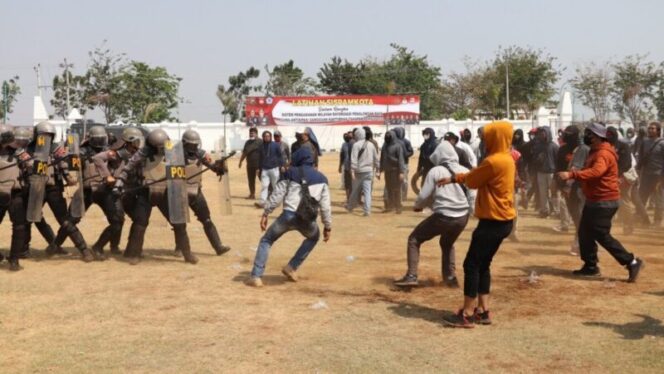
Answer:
x=61 y=315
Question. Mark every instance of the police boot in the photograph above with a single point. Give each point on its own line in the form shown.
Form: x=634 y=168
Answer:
x=86 y=254
x=135 y=244
x=213 y=237
x=116 y=233
x=182 y=242
x=14 y=265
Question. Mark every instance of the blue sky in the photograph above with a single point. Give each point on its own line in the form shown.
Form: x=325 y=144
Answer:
x=204 y=42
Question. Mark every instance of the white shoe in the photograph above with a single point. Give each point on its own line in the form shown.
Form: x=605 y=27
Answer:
x=254 y=282
x=290 y=273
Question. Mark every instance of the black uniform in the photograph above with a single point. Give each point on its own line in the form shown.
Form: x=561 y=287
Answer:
x=13 y=200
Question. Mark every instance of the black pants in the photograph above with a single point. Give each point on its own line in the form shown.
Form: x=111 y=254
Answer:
x=112 y=209
x=484 y=244
x=252 y=174
x=45 y=230
x=448 y=228
x=199 y=206
x=595 y=227
x=649 y=189
x=393 y=189
x=56 y=201
x=17 y=207
x=141 y=217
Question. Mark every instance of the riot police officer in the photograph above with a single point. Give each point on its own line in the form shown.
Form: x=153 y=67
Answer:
x=196 y=158
x=56 y=175
x=106 y=166
x=150 y=163
x=12 y=195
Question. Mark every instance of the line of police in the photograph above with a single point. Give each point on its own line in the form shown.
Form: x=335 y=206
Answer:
x=132 y=175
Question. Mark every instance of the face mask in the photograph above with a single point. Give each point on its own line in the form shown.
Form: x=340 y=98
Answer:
x=426 y=136
x=587 y=139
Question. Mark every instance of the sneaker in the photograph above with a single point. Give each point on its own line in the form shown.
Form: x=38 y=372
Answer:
x=408 y=280
x=587 y=271
x=365 y=214
x=560 y=228
x=116 y=251
x=98 y=254
x=190 y=258
x=134 y=260
x=451 y=282
x=634 y=270
x=177 y=253
x=459 y=320
x=289 y=272
x=483 y=318
x=254 y=282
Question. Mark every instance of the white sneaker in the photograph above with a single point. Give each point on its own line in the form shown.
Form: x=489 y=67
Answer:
x=254 y=282
x=290 y=273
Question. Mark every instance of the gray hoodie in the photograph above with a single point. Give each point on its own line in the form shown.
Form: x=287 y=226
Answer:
x=368 y=161
x=449 y=200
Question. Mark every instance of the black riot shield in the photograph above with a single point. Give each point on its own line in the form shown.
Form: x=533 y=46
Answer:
x=38 y=178
x=77 y=206
x=176 y=183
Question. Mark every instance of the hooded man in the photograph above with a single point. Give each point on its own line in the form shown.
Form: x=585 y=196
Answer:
x=251 y=152
x=464 y=157
x=466 y=136
x=494 y=207
x=400 y=133
x=344 y=163
x=544 y=158
x=307 y=139
x=426 y=150
x=392 y=162
x=301 y=175
x=599 y=181
x=363 y=162
x=450 y=216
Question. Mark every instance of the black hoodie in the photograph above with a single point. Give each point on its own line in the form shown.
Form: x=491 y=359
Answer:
x=426 y=149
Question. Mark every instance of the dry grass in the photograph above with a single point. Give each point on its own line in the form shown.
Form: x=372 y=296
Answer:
x=61 y=315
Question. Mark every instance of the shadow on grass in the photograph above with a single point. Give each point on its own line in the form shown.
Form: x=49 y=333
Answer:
x=655 y=293
x=634 y=330
x=555 y=272
x=268 y=280
x=409 y=310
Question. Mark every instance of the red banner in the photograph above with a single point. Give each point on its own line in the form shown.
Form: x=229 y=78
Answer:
x=332 y=110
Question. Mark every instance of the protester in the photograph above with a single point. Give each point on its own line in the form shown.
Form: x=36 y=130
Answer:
x=599 y=181
x=650 y=166
x=408 y=151
x=426 y=150
x=363 y=162
x=572 y=157
x=494 y=179
x=251 y=152
x=626 y=211
x=393 y=164
x=300 y=183
x=466 y=136
x=544 y=157
x=478 y=145
x=285 y=148
x=450 y=216
x=344 y=163
x=271 y=163
x=463 y=153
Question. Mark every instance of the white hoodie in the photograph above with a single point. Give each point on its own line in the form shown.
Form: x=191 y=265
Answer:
x=369 y=160
x=449 y=200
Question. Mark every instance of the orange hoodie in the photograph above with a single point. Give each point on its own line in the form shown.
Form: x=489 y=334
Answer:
x=494 y=177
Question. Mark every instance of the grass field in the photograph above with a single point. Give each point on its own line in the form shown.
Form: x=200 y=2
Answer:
x=61 y=315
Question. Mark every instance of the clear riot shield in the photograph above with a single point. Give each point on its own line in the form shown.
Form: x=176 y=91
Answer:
x=38 y=178
x=176 y=183
x=77 y=205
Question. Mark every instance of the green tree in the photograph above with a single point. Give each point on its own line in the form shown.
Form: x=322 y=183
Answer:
x=658 y=100
x=634 y=83
x=288 y=80
x=8 y=95
x=239 y=87
x=532 y=75
x=593 y=85
x=403 y=73
x=146 y=94
x=77 y=93
x=104 y=81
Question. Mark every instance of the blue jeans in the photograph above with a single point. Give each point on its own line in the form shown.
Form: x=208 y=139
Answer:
x=362 y=182
x=284 y=223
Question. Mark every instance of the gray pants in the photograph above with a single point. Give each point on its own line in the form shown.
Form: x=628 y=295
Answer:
x=449 y=229
x=546 y=198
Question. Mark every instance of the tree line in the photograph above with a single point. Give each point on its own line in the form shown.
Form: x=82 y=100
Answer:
x=133 y=91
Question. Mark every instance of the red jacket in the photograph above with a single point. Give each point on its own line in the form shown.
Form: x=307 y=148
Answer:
x=599 y=177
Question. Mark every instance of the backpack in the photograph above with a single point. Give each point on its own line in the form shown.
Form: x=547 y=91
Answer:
x=307 y=209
